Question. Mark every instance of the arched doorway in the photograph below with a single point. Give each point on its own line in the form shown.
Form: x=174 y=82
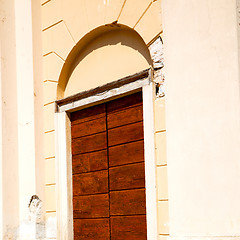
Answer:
x=95 y=78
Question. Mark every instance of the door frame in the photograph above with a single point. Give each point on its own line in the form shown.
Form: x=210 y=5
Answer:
x=138 y=82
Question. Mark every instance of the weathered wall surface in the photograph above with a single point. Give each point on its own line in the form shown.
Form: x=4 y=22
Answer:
x=202 y=117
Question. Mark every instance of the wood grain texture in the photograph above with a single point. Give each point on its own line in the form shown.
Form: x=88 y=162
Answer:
x=91 y=229
x=92 y=206
x=127 y=177
x=89 y=127
x=128 y=202
x=89 y=162
x=108 y=171
x=90 y=183
x=125 y=102
x=89 y=144
x=126 y=116
x=126 y=153
x=129 y=228
x=124 y=134
x=88 y=114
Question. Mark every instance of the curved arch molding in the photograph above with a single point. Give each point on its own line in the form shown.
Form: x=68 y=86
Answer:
x=67 y=22
x=105 y=54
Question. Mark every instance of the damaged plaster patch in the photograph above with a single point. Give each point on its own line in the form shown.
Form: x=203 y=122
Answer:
x=33 y=227
x=32 y=231
x=51 y=227
x=156 y=51
x=35 y=209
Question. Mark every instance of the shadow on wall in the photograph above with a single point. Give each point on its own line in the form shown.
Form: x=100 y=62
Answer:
x=106 y=56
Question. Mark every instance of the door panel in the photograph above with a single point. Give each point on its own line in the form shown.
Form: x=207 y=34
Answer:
x=108 y=171
x=126 y=153
x=124 y=103
x=127 y=202
x=124 y=134
x=90 y=229
x=91 y=206
x=90 y=127
x=129 y=228
x=88 y=114
x=127 y=177
x=124 y=117
x=89 y=162
x=90 y=183
x=90 y=143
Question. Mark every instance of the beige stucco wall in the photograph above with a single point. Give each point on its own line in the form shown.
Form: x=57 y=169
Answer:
x=161 y=168
x=21 y=163
x=107 y=58
x=9 y=211
x=202 y=118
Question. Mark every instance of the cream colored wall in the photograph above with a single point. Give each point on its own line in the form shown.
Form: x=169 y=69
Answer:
x=1 y=162
x=202 y=118
x=25 y=101
x=9 y=168
x=161 y=168
x=38 y=93
x=64 y=27
x=19 y=134
x=107 y=58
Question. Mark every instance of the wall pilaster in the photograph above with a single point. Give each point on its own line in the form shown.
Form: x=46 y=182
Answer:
x=202 y=118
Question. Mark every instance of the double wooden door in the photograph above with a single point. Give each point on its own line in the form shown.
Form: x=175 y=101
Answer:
x=108 y=171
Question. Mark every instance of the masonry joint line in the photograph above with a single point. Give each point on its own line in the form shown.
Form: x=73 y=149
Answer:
x=121 y=9
x=142 y=15
x=52 y=25
x=46 y=2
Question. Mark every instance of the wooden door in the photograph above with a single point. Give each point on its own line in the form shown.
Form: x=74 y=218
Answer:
x=108 y=171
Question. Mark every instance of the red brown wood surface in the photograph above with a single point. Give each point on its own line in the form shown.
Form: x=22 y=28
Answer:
x=128 y=202
x=129 y=228
x=90 y=127
x=88 y=162
x=92 y=206
x=125 y=102
x=108 y=171
x=91 y=229
x=90 y=143
x=127 y=177
x=88 y=114
x=126 y=153
x=90 y=183
x=126 y=116
x=124 y=134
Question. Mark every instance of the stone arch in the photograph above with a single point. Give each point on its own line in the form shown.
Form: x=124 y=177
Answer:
x=114 y=39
